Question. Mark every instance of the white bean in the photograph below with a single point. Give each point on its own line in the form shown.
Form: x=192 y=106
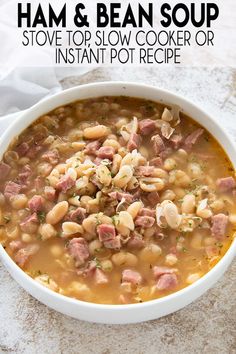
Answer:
x=124 y=259
x=189 y=203
x=96 y=132
x=47 y=231
x=104 y=175
x=150 y=253
x=57 y=213
x=134 y=209
x=171 y=214
x=71 y=228
x=123 y=176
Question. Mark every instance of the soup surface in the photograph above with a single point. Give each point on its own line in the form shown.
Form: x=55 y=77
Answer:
x=116 y=200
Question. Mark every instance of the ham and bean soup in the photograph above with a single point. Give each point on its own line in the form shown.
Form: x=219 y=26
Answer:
x=116 y=200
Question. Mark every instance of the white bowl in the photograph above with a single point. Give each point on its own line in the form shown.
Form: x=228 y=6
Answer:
x=119 y=313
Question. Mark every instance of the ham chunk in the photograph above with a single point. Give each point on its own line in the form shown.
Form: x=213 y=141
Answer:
x=100 y=277
x=136 y=241
x=114 y=244
x=50 y=193
x=159 y=270
x=77 y=215
x=129 y=198
x=36 y=203
x=176 y=140
x=130 y=276
x=11 y=189
x=24 y=175
x=193 y=138
x=147 y=212
x=22 y=149
x=158 y=144
x=106 y=232
x=153 y=198
x=66 y=182
x=226 y=184
x=51 y=156
x=78 y=249
x=4 y=170
x=146 y=126
x=16 y=245
x=134 y=142
x=92 y=148
x=106 y=152
x=30 y=224
x=144 y=221
x=167 y=282
x=33 y=151
x=23 y=255
x=156 y=161
x=144 y=171
x=219 y=226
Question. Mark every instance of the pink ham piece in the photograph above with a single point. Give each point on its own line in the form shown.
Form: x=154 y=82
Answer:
x=66 y=182
x=212 y=251
x=36 y=203
x=22 y=149
x=16 y=245
x=158 y=144
x=156 y=161
x=92 y=148
x=165 y=153
x=106 y=152
x=77 y=215
x=30 y=224
x=147 y=126
x=219 y=226
x=23 y=255
x=11 y=189
x=176 y=140
x=129 y=198
x=33 y=151
x=147 y=212
x=4 y=170
x=225 y=184
x=193 y=138
x=100 y=277
x=51 y=156
x=130 y=276
x=167 y=282
x=144 y=171
x=135 y=242
x=106 y=232
x=114 y=244
x=24 y=175
x=50 y=193
x=153 y=198
x=134 y=142
x=144 y=221
x=159 y=270
x=78 y=249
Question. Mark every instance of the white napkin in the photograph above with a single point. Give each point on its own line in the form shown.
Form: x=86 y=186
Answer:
x=24 y=87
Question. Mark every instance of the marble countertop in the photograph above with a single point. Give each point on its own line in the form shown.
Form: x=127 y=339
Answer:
x=206 y=326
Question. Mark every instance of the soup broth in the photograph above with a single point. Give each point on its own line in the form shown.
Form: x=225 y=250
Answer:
x=116 y=200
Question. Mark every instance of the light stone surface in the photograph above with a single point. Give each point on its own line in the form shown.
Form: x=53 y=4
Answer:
x=206 y=326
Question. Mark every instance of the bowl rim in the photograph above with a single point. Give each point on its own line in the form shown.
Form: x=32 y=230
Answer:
x=230 y=253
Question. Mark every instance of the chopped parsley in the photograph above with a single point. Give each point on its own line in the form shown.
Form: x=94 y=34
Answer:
x=41 y=216
x=98 y=263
